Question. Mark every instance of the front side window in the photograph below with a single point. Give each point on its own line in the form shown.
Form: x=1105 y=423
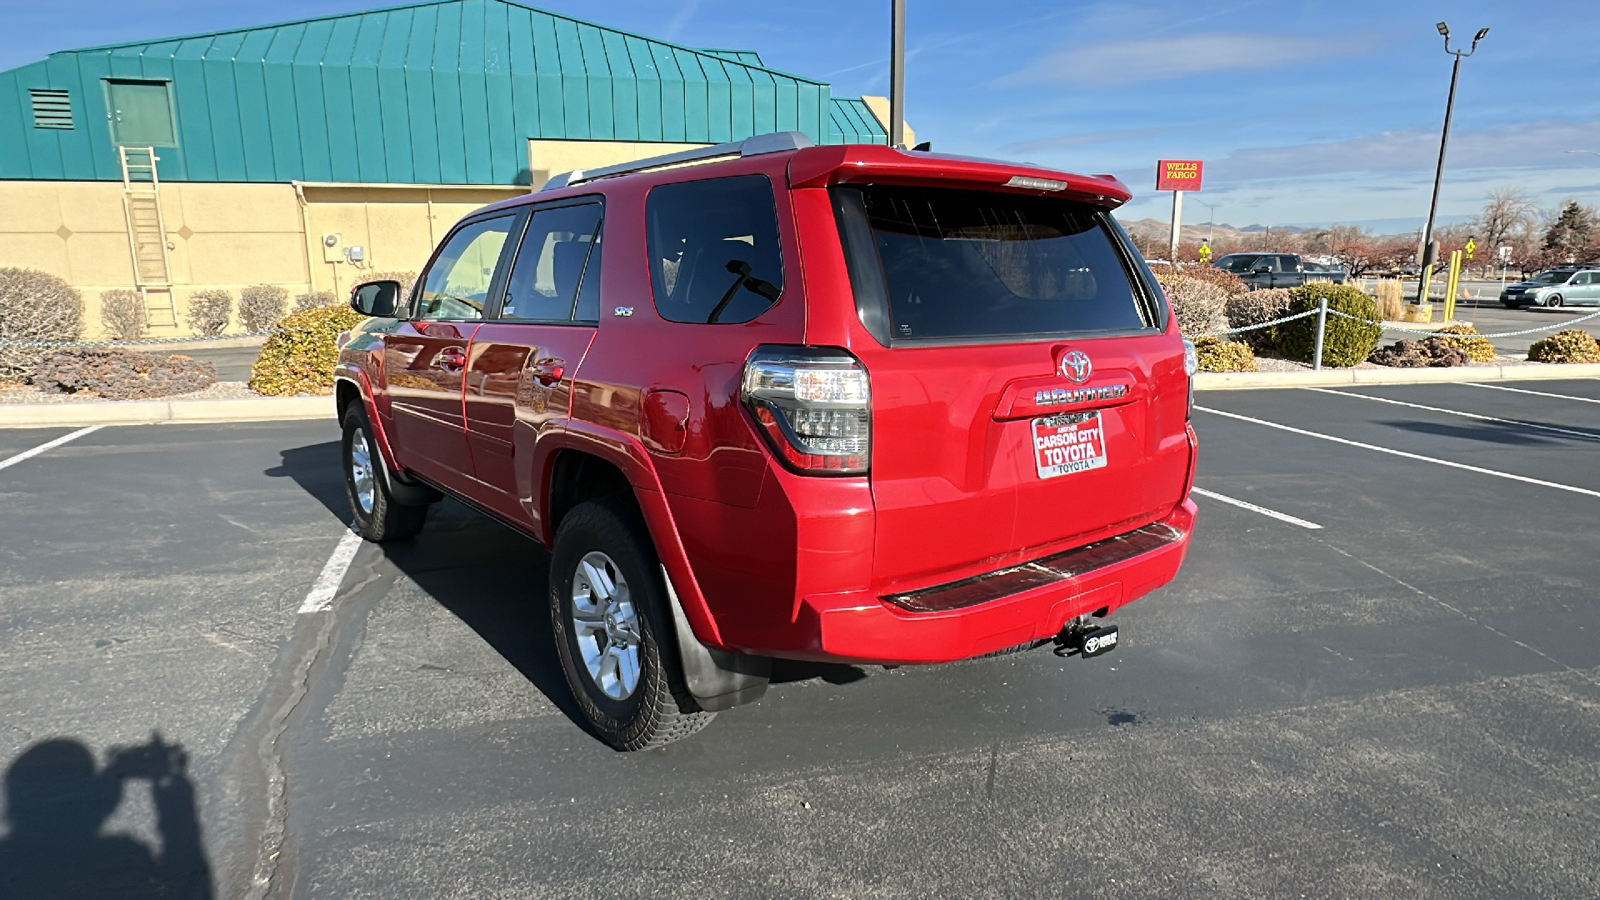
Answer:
x=715 y=257
x=551 y=264
x=959 y=265
x=457 y=284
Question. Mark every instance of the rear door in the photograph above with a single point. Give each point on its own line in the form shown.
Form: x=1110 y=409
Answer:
x=519 y=377
x=425 y=358
x=1024 y=397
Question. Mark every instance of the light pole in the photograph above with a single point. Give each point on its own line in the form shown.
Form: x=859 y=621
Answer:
x=1444 y=141
x=1211 y=222
x=897 y=73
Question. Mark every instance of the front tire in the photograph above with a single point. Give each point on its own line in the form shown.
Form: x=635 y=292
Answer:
x=613 y=630
x=374 y=512
x=1554 y=301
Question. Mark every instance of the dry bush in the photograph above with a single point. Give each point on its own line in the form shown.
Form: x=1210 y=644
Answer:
x=1434 y=352
x=1254 y=307
x=209 y=312
x=1230 y=283
x=1217 y=355
x=1197 y=303
x=314 y=300
x=1571 y=346
x=123 y=314
x=406 y=279
x=1391 y=299
x=1478 y=349
x=261 y=306
x=123 y=375
x=34 y=306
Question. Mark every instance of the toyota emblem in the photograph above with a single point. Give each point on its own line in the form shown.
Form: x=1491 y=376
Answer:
x=1076 y=367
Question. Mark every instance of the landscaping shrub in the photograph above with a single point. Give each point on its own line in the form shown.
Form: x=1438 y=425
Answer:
x=1217 y=355
x=1196 y=302
x=122 y=374
x=299 y=359
x=1431 y=351
x=1391 y=299
x=1478 y=349
x=1346 y=342
x=123 y=315
x=314 y=300
x=1254 y=307
x=209 y=312
x=261 y=306
x=1571 y=346
x=34 y=306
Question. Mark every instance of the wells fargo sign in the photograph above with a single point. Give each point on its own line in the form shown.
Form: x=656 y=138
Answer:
x=1178 y=174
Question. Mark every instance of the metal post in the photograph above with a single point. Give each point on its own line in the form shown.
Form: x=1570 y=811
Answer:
x=1438 y=173
x=897 y=73
x=1177 y=224
x=1322 y=326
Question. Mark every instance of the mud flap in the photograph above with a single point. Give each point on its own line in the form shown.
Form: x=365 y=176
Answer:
x=718 y=679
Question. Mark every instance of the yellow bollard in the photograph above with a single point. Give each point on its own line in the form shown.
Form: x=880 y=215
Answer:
x=1452 y=286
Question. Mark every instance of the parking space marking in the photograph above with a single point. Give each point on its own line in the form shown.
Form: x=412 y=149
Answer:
x=1271 y=513
x=1501 y=387
x=322 y=592
x=1595 y=435
x=48 y=445
x=1403 y=454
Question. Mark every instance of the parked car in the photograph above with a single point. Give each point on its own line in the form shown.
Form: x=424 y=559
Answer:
x=1562 y=286
x=769 y=400
x=1276 y=270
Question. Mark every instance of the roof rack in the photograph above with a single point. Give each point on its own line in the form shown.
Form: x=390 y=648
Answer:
x=777 y=142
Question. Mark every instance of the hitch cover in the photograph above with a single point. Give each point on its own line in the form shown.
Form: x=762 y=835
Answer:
x=1097 y=641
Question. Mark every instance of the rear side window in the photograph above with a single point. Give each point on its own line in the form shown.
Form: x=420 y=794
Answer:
x=714 y=251
x=959 y=265
x=550 y=265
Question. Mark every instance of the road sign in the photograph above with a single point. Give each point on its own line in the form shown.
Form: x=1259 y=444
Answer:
x=1178 y=174
x=1471 y=246
x=1505 y=254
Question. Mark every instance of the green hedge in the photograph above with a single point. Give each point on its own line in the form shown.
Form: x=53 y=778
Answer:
x=1346 y=342
x=1224 y=356
x=300 y=358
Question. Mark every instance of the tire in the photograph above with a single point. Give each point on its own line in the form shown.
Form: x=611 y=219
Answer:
x=609 y=615
x=1554 y=301
x=374 y=512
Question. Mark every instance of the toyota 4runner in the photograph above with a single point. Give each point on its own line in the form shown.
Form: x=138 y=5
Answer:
x=773 y=400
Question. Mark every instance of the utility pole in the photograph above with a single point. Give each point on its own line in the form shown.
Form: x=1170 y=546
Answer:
x=897 y=73
x=1444 y=142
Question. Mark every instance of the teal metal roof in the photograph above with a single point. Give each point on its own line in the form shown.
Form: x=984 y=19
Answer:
x=444 y=92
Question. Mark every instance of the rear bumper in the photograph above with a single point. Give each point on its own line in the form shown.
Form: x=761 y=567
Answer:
x=860 y=627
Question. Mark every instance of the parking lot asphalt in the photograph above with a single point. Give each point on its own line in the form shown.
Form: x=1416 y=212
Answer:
x=1403 y=700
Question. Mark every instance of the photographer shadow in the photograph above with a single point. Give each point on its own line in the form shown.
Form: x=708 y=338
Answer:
x=489 y=577
x=58 y=801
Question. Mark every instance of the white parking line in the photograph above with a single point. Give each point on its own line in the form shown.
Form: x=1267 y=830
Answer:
x=48 y=445
x=1456 y=412
x=1401 y=453
x=1501 y=387
x=322 y=592
x=1282 y=517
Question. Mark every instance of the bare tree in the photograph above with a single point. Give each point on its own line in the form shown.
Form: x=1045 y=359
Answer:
x=1508 y=211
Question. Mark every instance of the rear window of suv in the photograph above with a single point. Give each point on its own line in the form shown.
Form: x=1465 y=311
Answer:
x=932 y=264
x=714 y=251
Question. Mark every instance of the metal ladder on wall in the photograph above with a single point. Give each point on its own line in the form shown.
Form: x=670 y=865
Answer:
x=147 y=234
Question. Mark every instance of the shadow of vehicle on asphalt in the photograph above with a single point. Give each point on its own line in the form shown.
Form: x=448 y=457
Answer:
x=1498 y=433
x=490 y=577
x=58 y=800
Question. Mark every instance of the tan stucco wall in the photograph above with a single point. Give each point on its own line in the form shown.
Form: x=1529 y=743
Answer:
x=547 y=158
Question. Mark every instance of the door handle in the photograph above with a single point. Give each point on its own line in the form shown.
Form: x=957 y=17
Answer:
x=452 y=360
x=548 y=371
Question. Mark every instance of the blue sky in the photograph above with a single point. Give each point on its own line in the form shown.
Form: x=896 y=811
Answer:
x=1304 y=112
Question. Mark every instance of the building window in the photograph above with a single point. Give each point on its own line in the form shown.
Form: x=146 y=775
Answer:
x=51 y=108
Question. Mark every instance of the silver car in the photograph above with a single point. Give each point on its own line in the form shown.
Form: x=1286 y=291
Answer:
x=1566 y=286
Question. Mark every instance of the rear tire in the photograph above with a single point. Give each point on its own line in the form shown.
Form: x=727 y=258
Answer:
x=613 y=630
x=374 y=512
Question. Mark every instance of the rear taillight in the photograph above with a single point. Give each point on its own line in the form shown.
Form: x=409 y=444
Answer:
x=814 y=405
x=1191 y=365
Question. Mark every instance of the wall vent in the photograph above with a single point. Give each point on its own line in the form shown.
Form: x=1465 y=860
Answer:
x=51 y=108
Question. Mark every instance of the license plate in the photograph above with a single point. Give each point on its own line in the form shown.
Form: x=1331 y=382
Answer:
x=1068 y=443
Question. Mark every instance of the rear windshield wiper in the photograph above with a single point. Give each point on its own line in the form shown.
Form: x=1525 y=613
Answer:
x=742 y=269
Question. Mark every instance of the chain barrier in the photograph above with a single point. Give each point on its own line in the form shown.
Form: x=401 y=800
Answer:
x=56 y=345
x=1226 y=331
x=1435 y=332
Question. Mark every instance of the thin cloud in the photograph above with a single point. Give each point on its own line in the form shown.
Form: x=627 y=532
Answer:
x=1088 y=137
x=1160 y=59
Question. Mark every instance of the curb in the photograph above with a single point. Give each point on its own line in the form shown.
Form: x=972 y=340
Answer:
x=1229 y=381
x=154 y=412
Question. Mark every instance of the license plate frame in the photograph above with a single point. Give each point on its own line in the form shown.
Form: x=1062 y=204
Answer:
x=1068 y=443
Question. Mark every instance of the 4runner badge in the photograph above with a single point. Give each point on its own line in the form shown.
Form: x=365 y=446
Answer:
x=1076 y=367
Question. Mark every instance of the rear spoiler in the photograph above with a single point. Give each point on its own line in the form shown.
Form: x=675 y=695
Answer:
x=856 y=163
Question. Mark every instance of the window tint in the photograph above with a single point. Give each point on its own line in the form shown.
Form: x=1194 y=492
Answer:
x=714 y=251
x=1237 y=263
x=457 y=284
x=550 y=263
x=964 y=264
x=1288 y=264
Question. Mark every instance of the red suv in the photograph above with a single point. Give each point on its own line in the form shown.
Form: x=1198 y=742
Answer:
x=772 y=400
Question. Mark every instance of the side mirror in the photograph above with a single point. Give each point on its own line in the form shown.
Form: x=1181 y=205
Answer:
x=380 y=299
